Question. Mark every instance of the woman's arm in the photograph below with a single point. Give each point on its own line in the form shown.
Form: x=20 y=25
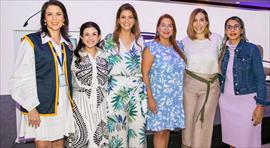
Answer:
x=147 y=61
x=261 y=101
x=23 y=86
x=257 y=69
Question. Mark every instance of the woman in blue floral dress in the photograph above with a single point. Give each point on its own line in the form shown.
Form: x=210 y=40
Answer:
x=163 y=68
x=126 y=98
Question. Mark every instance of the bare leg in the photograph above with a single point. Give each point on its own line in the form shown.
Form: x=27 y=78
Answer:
x=58 y=143
x=161 y=139
x=43 y=144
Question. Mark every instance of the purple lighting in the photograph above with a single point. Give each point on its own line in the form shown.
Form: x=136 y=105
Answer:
x=253 y=4
x=256 y=4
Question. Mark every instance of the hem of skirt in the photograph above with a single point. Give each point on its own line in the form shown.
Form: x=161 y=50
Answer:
x=165 y=128
x=34 y=138
x=238 y=145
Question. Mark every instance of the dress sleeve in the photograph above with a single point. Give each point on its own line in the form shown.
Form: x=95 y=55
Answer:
x=142 y=42
x=180 y=44
x=23 y=85
x=151 y=46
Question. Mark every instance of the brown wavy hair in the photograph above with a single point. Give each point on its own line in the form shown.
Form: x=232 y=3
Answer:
x=190 y=29
x=135 y=28
x=173 y=37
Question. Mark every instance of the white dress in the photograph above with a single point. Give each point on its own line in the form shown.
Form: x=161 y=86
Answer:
x=127 y=102
x=24 y=92
x=89 y=80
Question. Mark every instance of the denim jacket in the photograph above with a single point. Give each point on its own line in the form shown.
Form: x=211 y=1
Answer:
x=248 y=73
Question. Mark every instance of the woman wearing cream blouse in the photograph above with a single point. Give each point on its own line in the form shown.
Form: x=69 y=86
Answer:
x=201 y=86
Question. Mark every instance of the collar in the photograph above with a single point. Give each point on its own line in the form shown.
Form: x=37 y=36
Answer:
x=240 y=44
x=84 y=53
x=230 y=45
x=45 y=38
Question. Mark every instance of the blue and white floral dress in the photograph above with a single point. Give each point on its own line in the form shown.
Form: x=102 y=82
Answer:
x=166 y=78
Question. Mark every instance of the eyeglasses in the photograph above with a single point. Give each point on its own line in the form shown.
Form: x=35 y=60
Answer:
x=235 y=27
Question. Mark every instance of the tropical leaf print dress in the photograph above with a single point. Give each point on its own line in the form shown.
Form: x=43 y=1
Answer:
x=89 y=80
x=166 y=77
x=126 y=98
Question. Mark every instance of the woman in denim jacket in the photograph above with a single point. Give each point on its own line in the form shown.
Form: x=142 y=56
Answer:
x=243 y=88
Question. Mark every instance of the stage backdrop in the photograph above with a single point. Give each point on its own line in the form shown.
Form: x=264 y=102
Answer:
x=15 y=13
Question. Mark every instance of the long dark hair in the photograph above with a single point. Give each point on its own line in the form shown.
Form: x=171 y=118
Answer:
x=225 y=39
x=80 y=43
x=64 y=28
x=135 y=28
x=173 y=37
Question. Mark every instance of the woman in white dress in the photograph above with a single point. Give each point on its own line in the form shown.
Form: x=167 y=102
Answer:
x=126 y=97
x=41 y=82
x=89 y=74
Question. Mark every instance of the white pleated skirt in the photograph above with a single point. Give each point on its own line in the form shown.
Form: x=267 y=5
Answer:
x=51 y=127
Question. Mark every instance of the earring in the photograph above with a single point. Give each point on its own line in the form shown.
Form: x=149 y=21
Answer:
x=45 y=23
x=157 y=34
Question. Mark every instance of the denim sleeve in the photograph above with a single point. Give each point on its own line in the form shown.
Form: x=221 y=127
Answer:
x=257 y=68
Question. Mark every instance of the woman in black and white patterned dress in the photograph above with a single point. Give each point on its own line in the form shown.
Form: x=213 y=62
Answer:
x=89 y=73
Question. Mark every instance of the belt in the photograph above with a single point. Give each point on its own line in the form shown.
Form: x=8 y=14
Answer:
x=208 y=83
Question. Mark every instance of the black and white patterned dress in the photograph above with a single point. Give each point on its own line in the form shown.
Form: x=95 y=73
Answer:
x=89 y=81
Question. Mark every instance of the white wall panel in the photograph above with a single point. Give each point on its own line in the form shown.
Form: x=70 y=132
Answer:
x=15 y=13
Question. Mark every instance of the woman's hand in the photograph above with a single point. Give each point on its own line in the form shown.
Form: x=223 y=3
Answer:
x=33 y=118
x=257 y=115
x=152 y=105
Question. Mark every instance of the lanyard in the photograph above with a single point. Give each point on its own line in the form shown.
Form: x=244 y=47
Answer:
x=57 y=56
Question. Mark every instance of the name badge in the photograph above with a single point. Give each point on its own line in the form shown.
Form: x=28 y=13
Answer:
x=62 y=80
